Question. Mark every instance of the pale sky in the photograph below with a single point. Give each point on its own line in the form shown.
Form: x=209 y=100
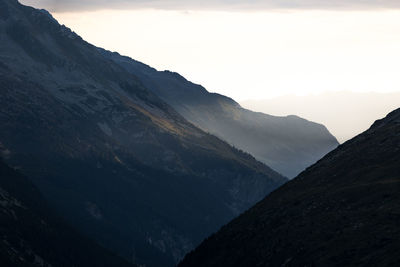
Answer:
x=265 y=49
x=345 y=114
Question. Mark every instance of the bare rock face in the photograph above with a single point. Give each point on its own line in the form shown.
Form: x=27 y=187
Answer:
x=111 y=157
x=342 y=211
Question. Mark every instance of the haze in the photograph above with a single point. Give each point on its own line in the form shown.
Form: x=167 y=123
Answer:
x=250 y=53
x=345 y=114
x=258 y=49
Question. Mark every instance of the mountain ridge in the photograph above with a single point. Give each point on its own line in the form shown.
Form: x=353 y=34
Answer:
x=341 y=211
x=113 y=159
x=344 y=113
x=287 y=144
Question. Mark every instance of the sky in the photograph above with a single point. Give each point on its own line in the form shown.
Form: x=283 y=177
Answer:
x=345 y=114
x=250 y=49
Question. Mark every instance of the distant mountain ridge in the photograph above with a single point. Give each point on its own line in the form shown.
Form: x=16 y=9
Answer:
x=286 y=144
x=342 y=211
x=345 y=114
x=111 y=157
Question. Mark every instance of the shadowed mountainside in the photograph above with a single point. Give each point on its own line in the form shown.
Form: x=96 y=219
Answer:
x=31 y=235
x=286 y=144
x=342 y=211
x=110 y=156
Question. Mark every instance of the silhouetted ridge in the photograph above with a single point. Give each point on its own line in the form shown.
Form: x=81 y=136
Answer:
x=342 y=211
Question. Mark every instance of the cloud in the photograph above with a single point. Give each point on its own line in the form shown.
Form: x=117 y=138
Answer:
x=84 y=5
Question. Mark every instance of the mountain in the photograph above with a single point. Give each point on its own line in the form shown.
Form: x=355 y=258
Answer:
x=31 y=235
x=342 y=211
x=113 y=159
x=345 y=114
x=286 y=144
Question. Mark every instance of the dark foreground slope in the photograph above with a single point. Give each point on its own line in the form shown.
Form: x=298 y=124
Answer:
x=31 y=235
x=116 y=161
x=286 y=144
x=342 y=211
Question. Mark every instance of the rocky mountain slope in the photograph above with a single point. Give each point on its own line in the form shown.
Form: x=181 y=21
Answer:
x=342 y=211
x=111 y=157
x=31 y=235
x=286 y=144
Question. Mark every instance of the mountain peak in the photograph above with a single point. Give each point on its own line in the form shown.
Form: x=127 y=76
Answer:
x=48 y=14
x=392 y=118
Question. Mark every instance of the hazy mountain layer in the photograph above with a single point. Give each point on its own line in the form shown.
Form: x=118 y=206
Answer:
x=109 y=155
x=345 y=114
x=342 y=211
x=286 y=144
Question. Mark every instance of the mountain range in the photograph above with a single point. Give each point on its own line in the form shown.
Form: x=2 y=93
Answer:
x=116 y=158
x=287 y=144
x=342 y=211
x=109 y=156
